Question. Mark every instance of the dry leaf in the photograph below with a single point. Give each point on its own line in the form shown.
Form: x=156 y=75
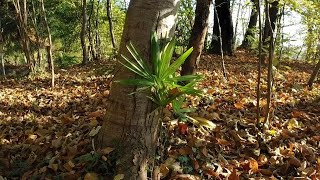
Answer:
x=91 y=176
x=234 y=175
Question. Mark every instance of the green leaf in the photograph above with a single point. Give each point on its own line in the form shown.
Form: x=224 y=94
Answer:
x=138 y=58
x=186 y=78
x=166 y=56
x=155 y=53
x=133 y=67
x=174 y=66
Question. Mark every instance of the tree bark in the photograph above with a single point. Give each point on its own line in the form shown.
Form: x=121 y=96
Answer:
x=198 y=36
x=225 y=19
x=250 y=32
x=132 y=125
x=84 y=32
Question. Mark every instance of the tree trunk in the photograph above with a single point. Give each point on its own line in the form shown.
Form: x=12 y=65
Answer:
x=247 y=42
x=22 y=18
x=132 y=125
x=315 y=71
x=84 y=32
x=2 y=51
x=49 y=47
x=225 y=19
x=92 y=50
x=198 y=36
x=270 y=24
x=113 y=40
x=97 y=34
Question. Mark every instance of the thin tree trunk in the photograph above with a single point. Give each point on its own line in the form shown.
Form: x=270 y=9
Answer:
x=38 y=43
x=92 y=50
x=225 y=19
x=247 y=42
x=280 y=34
x=109 y=15
x=49 y=48
x=236 y=28
x=270 y=24
x=198 y=35
x=259 y=63
x=22 y=16
x=314 y=74
x=2 y=51
x=221 y=45
x=316 y=69
x=270 y=71
x=84 y=32
x=132 y=123
x=97 y=34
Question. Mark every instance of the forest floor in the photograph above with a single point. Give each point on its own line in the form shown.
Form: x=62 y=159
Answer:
x=48 y=134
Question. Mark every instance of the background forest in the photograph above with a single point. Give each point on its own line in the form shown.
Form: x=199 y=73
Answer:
x=87 y=91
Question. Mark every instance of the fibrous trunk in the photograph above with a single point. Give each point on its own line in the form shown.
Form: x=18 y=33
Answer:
x=132 y=122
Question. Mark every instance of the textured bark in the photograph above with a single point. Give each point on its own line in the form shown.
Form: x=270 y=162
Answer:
x=84 y=32
x=131 y=125
x=247 y=43
x=198 y=36
x=225 y=21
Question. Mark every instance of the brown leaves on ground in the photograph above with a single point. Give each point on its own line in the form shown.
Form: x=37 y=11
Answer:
x=49 y=134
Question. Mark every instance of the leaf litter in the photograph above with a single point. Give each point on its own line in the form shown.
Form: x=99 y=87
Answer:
x=48 y=134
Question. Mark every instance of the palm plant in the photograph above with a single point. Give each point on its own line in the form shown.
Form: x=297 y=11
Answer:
x=159 y=81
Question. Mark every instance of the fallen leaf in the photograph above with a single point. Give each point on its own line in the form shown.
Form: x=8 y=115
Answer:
x=91 y=176
x=234 y=175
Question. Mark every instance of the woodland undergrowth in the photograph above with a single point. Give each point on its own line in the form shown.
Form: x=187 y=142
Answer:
x=48 y=133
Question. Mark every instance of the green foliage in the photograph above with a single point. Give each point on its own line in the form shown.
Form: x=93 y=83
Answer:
x=185 y=22
x=66 y=60
x=160 y=82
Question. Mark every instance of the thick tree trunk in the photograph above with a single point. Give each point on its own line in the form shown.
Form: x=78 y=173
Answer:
x=84 y=32
x=198 y=36
x=131 y=124
x=113 y=40
x=247 y=42
x=225 y=21
x=269 y=25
